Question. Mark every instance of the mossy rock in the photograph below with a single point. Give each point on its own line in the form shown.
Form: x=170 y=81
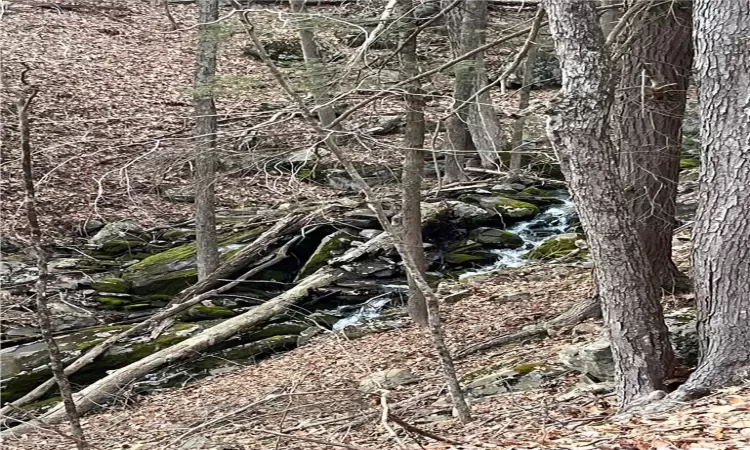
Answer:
x=510 y=208
x=330 y=247
x=27 y=367
x=108 y=302
x=496 y=238
x=555 y=247
x=201 y=312
x=469 y=255
x=536 y=196
x=119 y=246
x=111 y=285
x=171 y=271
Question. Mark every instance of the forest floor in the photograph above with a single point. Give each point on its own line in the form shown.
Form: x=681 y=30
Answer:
x=311 y=393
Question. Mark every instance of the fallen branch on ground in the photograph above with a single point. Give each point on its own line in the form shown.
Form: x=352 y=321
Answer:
x=585 y=309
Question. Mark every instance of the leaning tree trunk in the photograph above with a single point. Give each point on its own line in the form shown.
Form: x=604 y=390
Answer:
x=42 y=310
x=315 y=68
x=205 y=139
x=721 y=235
x=578 y=130
x=650 y=107
x=411 y=181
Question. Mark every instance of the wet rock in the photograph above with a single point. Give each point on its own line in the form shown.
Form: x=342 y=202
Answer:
x=555 y=247
x=307 y=334
x=536 y=196
x=468 y=253
x=8 y=246
x=509 y=208
x=386 y=379
x=454 y=212
x=496 y=238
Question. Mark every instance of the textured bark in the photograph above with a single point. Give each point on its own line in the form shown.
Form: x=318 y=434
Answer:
x=411 y=181
x=316 y=70
x=205 y=139
x=721 y=235
x=42 y=311
x=650 y=107
x=577 y=128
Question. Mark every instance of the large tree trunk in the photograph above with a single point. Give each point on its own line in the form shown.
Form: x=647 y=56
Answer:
x=205 y=139
x=578 y=130
x=721 y=236
x=650 y=107
x=411 y=181
x=314 y=66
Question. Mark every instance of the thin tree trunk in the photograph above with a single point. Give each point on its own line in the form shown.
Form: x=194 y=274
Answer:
x=42 y=311
x=205 y=138
x=315 y=67
x=650 y=107
x=578 y=130
x=721 y=235
x=484 y=126
x=517 y=154
x=461 y=408
x=411 y=181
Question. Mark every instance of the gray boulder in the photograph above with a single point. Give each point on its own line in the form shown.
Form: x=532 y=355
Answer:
x=595 y=358
x=386 y=379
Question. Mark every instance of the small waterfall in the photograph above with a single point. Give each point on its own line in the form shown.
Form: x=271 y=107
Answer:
x=552 y=222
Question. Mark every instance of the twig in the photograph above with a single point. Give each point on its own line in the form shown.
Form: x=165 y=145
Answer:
x=309 y=439
x=385 y=412
x=409 y=427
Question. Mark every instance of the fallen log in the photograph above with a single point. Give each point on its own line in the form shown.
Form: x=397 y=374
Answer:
x=89 y=357
x=97 y=393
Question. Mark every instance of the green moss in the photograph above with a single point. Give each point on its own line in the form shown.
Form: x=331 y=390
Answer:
x=201 y=312
x=556 y=247
x=178 y=233
x=516 y=208
x=170 y=271
x=112 y=302
x=496 y=237
x=463 y=258
x=688 y=163
x=113 y=285
x=527 y=368
x=137 y=306
x=327 y=249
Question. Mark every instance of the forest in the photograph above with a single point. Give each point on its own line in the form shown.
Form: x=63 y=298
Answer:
x=375 y=224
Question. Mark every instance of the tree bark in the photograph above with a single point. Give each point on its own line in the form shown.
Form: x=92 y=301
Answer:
x=411 y=181
x=517 y=154
x=314 y=66
x=650 y=107
x=721 y=235
x=205 y=138
x=42 y=311
x=484 y=126
x=578 y=129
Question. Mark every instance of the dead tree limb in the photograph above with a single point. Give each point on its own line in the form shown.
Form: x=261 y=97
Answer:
x=586 y=309
x=42 y=311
